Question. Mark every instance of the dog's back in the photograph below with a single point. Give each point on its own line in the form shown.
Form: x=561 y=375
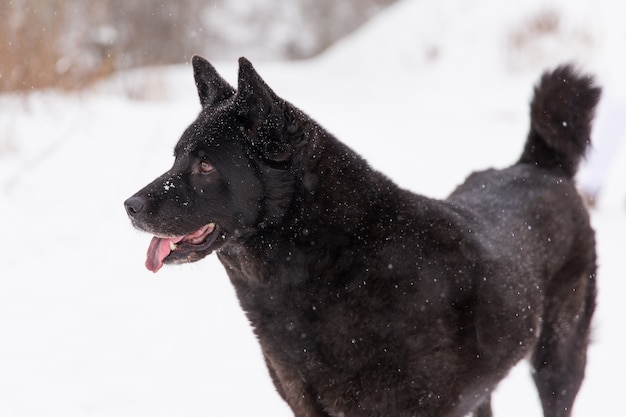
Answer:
x=535 y=234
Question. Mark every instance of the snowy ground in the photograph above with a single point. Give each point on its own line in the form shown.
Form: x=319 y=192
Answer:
x=427 y=93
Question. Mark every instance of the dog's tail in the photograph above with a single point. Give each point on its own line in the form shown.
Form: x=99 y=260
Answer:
x=561 y=113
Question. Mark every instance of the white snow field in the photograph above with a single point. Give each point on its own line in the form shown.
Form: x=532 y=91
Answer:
x=427 y=92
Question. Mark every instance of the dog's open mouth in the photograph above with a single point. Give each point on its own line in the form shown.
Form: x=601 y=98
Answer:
x=180 y=248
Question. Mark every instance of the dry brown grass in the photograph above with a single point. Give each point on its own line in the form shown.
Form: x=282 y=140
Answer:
x=32 y=53
x=68 y=44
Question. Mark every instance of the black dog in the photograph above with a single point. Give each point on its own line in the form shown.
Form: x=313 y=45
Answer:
x=367 y=299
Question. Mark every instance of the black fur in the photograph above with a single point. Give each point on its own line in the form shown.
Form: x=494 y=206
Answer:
x=367 y=299
x=561 y=119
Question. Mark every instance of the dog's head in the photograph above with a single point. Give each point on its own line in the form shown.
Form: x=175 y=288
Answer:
x=233 y=173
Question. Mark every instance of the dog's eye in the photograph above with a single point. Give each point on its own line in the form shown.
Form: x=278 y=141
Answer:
x=205 y=167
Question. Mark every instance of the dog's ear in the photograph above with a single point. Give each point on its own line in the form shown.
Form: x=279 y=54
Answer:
x=262 y=113
x=256 y=99
x=212 y=88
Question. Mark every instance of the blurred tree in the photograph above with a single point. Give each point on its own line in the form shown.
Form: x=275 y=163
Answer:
x=283 y=29
x=69 y=43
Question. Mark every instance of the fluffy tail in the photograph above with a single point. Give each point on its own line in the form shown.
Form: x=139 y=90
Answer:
x=561 y=113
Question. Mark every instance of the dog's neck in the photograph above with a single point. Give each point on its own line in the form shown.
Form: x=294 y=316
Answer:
x=341 y=190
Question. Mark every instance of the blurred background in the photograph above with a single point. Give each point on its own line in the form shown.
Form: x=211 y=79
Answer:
x=70 y=43
x=95 y=94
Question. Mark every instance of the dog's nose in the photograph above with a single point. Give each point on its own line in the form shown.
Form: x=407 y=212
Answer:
x=134 y=205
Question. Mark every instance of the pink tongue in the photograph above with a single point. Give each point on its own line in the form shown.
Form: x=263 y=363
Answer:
x=157 y=251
